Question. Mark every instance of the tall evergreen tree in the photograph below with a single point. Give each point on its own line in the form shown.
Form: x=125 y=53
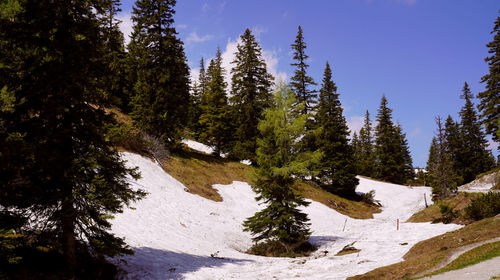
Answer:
x=250 y=95
x=161 y=87
x=441 y=175
x=455 y=147
x=215 y=116
x=356 y=148
x=390 y=151
x=337 y=170
x=490 y=98
x=56 y=164
x=300 y=81
x=475 y=154
x=366 y=157
x=405 y=163
x=279 y=160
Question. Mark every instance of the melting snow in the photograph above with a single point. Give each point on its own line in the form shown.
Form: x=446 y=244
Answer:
x=178 y=235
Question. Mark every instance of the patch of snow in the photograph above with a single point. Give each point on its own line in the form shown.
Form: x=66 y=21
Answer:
x=178 y=235
x=246 y=161
x=200 y=147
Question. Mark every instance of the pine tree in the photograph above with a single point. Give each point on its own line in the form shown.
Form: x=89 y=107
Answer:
x=251 y=95
x=301 y=82
x=490 y=98
x=215 y=116
x=441 y=175
x=56 y=164
x=391 y=150
x=366 y=157
x=337 y=170
x=455 y=147
x=477 y=158
x=279 y=160
x=161 y=87
x=356 y=148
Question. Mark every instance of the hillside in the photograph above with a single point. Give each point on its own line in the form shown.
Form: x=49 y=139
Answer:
x=176 y=234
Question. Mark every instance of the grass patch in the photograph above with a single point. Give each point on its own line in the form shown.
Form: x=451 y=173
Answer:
x=351 y=208
x=428 y=253
x=433 y=213
x=275 y=248
x=476 y=255
x=348 y=249
x=199 y=171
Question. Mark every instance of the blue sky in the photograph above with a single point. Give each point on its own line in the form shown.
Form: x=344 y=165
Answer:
x=418 y=53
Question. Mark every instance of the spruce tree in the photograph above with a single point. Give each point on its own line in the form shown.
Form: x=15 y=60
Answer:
x=160 y=104
x=337 y=169
x=455 y=147
x=356 y=148
x=391 y=150
x=56 y=164
x=300 y=81
x=280 y=160
x=478 y=158
x=215 y=111
x=490 y=98
x=441 y=175
x=250 y=95
x=366 y=157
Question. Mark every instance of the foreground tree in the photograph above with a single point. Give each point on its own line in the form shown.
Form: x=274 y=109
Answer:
x=490 y=98
x=250 y=95
x=337 y=170
x=215 y=111
x=160 y=101
x=300 y=81
x=55 y=163
x=454 y=145
x=279 y=161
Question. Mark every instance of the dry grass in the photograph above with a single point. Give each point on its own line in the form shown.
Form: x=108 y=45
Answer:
x=432 y=213
x=119 y=116
x=428 y=253
x=353 y=209
x=198 y=172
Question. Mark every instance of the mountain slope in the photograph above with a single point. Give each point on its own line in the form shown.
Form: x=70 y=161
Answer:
x=174 y=233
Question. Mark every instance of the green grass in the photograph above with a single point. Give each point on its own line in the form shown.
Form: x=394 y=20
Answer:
x=471 y=257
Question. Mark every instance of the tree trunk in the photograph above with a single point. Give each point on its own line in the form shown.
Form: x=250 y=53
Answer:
x=68 y=233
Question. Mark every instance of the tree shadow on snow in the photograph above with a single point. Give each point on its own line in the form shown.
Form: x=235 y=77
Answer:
x=320 y=240
x=150 y=263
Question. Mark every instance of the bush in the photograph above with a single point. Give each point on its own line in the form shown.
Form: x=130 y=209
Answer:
x=448 y=214
x=274 y=248
x=369 y=198
x=484 y=206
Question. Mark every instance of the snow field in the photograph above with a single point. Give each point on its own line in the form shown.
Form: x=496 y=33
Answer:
x=178 y=235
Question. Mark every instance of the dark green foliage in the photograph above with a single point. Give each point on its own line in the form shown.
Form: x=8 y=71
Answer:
x=198 y=91
x=484 y=206
x=442 y=177
x=55 y=162
x=275 y=248
x=337 y=169
x=366 y=155
x=279 y=160
x=448 y=214
x=476 y=159
x=250 y=95
x=393 y=161
x=490 y=98
x=215 y=116
x=160 y=102
x=455 y=147
x=300 y=82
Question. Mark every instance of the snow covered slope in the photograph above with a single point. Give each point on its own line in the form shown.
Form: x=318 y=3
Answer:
x=178 y=235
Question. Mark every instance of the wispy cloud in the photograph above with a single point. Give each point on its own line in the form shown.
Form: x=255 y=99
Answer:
x=193 y=37
x=355 y=123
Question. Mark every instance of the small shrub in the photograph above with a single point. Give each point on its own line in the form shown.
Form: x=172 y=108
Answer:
x=274 y=248
x=448 y=214
x=128 y=138
x=484 y=206
x=369 y=198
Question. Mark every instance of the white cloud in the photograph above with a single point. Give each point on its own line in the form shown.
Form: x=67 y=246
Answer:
x=181 y=26
x=492 y=145
x=355 y=123
x=193 y=37
x=126 y=26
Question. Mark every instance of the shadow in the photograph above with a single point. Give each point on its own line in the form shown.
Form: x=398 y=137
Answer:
x=150 y=263
x=320 y=240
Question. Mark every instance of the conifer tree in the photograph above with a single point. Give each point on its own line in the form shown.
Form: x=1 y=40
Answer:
x=366 y=157
x=405 y=163
x=455 y=147
x=356 y=151
x=55 y=162
x=215 y=116
x=160 y=104
x=478 y=159
x=300 y=81
x=279 y=160
x=490 y=98
x=391 y=151
x=441 y=175
x=250 y=95
x=337 y=169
